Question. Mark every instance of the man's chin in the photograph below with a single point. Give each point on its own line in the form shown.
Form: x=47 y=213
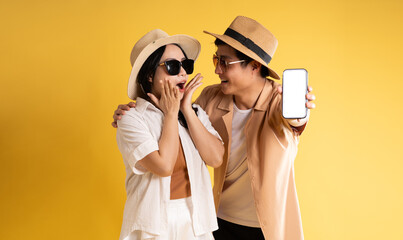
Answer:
x=225 y=90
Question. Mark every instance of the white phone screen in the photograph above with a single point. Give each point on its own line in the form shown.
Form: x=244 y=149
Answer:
x=295 y=85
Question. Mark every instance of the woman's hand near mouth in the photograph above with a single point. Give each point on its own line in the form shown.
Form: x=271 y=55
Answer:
x=169 y=101
x=210 y=147
x=186 y=103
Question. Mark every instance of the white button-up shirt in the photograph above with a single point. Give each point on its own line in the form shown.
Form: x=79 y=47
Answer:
x=148 y=194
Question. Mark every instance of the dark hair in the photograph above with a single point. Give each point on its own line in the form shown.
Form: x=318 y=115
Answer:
x=264 y=71
x=148 y=70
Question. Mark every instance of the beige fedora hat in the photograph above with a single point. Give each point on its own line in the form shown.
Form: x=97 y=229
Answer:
x=252 y=39
x=151 y=42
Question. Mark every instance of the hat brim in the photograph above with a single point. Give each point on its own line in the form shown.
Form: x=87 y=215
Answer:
x=238 y=46
x=190 y=46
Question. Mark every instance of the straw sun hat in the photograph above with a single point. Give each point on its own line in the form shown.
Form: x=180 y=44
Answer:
x=151 y=42
x=252 y=39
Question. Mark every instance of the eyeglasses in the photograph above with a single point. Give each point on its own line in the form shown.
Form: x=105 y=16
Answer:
x=174 y=66
x=223 y=64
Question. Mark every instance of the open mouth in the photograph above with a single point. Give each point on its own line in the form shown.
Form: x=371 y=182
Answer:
x=224 y=81
x=181 y=85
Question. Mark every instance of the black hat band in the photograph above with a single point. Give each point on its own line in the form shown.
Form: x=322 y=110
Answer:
x=249 y=44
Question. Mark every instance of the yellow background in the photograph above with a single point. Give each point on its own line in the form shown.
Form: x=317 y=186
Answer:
x=64 y=69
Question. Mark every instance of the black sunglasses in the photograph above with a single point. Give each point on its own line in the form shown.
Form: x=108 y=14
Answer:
x=174 y=66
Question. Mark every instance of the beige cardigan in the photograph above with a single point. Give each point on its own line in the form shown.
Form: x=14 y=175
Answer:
x=271 y=150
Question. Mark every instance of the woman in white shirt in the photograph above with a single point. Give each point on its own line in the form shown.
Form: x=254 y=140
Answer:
x=166 y=143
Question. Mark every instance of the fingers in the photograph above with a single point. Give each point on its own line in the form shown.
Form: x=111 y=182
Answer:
x=193 y=88
x=310 y=105
x=164 y=89
x=168 y=89
x=124 y=107
x=118 y=115
x=132 y=104
x=121 y=111
x=176 y=91
x=310 y=97
x=154 y=99
x=172 y=90
x=194 y=83
x=194 y=80
x=280 y=89
x=190 y=89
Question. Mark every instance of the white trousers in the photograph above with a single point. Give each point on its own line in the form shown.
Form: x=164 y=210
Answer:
x=179 y=224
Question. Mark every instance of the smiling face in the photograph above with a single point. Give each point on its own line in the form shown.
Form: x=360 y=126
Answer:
x=172 y=52
x=235 y=79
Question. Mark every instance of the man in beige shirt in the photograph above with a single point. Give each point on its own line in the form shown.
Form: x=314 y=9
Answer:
x=254 y=189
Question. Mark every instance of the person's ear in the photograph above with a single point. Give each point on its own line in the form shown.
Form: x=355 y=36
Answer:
x=150 y=79
x=256 y=65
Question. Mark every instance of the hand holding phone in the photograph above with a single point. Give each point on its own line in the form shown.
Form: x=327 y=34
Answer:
x=295 y=88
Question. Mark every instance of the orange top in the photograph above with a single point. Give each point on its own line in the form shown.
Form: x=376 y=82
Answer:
x=180 y=184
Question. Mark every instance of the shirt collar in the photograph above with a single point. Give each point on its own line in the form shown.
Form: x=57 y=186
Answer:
x=142 y=105
x=263 y=100
x=226 y=103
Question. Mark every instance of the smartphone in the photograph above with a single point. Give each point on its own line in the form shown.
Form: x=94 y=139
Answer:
x=295 y=88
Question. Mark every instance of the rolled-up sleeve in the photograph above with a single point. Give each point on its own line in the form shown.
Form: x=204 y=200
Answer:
x=135 y=140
